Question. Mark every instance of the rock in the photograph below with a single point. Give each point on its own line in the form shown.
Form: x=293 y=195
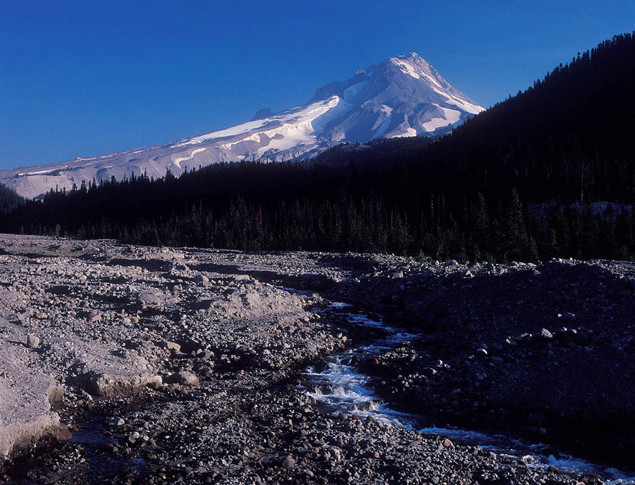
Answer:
x=242 y=277
x=429 y=371
x=568 y=317
x=150 y=298
x=172 y=346
x=288 y=462
x=32 y=341
x=544 y=333
x=528 y=459
x=63 y=434
x=185 y=378
x=249 y=412
x=201 y=280
x=23 y=425
x=116 y=421
x=109 y=385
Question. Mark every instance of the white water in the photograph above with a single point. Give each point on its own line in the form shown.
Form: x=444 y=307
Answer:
x=341 y=388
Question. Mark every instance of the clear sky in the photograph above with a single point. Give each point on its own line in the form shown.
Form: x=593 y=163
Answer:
x=86 y=77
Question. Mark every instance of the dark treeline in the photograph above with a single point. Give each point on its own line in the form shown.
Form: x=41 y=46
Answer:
x=9 y=200
x=570 y=137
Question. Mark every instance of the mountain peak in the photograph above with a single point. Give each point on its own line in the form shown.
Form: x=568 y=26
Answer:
x=412 y=57
x=401 y=96
x=417 y=67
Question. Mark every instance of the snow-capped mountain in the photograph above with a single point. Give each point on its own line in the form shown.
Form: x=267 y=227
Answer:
x=401 y=96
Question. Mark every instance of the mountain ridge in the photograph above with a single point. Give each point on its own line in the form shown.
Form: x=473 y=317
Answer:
x=400 y=96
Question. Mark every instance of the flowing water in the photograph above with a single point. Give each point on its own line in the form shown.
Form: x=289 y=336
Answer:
x=341 y=387
x=102 y=462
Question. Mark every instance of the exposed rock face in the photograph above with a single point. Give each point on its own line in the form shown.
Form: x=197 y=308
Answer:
x=25 y=394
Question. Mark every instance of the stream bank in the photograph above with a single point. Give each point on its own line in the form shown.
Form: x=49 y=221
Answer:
x=340 y=384
x=230 y=348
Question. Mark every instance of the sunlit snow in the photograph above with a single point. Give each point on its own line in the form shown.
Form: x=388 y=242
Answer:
x=234 y=130
x=465 y=106
x=451 y=116
x=406 y=67
x=408 y=132
x=177 y=160
x=383 y=127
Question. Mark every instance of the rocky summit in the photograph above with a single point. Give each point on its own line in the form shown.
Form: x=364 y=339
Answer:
x=132 y=364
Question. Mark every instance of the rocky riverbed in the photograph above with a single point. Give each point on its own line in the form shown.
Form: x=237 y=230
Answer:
x=125 y=364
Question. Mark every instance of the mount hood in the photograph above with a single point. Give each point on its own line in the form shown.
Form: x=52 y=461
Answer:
x=401 y=96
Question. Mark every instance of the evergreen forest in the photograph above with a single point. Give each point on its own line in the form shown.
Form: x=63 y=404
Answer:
x=549 y=172
x=9 y=200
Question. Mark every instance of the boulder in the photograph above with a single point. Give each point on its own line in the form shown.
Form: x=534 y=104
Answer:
x=185 y=378
x=32 y=341
x=150 y=298
x=109 y=385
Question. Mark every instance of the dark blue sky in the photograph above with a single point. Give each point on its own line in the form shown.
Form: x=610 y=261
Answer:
x=85 y=77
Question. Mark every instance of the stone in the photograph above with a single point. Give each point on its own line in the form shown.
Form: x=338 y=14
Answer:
x=116 y=421
x=22 y=426
x=32 y=341
x=429 y=372
x=544 y=333
x=172 y=346
x=288 y=462
x=185 y=378
x=150 y=298
x=63 y=434
x=201 y=280
x=108 y=385
x=568 y=317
